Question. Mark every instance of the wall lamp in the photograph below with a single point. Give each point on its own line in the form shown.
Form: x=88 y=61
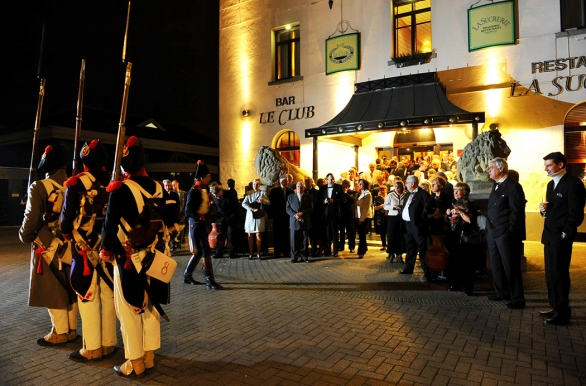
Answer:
x=330 y=3
x=245 y=113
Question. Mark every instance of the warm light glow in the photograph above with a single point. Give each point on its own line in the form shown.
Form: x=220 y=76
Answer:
x=426 y=46
x=287 y=27
x=342 y=91
x=246 y=135
x=244 y=76
x=493 y=99
x=582 y=123
x=494 y=73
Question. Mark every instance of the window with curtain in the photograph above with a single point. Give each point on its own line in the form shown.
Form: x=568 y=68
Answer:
x=412 y=27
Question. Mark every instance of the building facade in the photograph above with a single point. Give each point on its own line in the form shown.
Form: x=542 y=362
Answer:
x=275 y=84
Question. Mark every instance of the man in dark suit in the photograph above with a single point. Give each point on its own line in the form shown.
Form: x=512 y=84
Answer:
x=332 y=196
x=505 y=223
x=415 y=227
x=278 y=212
x=563 y=212
x=299 y=208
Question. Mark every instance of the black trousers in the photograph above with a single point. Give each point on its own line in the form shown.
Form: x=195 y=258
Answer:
x=299 y=243
x=558 y=255
x=347 y=231
x=331 y=237
x=362 y=230
x=505 y=263
x=416 y=243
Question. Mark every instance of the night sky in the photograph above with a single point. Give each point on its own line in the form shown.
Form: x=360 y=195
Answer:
x=173 y=46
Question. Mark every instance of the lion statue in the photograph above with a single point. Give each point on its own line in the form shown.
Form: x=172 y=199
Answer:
x=270 y=164
x=473 y=164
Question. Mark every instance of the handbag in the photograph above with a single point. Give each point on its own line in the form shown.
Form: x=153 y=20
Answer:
x=260 y=213
x=471 y=236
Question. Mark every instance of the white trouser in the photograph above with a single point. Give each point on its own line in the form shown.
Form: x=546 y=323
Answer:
x=64 y=319
x=99 y=329
x=140 y=332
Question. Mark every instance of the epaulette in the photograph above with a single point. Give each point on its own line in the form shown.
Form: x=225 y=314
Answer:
x=71 y=181
x=114 y=185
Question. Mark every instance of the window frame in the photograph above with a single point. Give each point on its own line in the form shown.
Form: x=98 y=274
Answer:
x=293 y=52
x=414 y=26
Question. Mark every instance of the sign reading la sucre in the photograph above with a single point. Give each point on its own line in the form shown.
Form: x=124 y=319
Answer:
x=286 y=115
x=573 y=82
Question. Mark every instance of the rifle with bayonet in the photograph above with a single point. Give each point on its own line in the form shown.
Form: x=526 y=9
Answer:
x=76 y=167
x=34 y=159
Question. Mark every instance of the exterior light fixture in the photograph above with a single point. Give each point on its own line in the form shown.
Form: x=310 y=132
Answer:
x=340 y=129
x=451 y=120
x=476 y=119
x=245 y=113
x=330 y=3
x=426 y=121
x=381 y=125
x=323 y=131
x=359 y=127
x=403 y=123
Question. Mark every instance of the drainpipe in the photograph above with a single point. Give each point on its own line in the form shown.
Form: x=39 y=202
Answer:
x=315 y=171
x=474 y=130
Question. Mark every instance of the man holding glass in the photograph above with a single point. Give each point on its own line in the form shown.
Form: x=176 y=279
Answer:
x=563 y=211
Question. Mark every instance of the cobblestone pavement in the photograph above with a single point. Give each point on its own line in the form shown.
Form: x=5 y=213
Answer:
x=334 y=321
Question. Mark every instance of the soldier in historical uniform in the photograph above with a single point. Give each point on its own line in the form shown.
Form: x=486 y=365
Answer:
x=136 y=223
x=196 y=209
x=49 y=286
x=82 y=217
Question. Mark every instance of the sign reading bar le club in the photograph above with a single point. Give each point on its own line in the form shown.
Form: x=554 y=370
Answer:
x=343 y=53
x=491 y=25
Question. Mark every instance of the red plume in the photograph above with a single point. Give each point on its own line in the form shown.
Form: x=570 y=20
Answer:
x=48 y=149
x=200 y=162
x=93 y=144
x=131 y=141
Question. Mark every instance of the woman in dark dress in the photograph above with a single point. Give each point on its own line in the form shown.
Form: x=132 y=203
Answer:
x=462 y=216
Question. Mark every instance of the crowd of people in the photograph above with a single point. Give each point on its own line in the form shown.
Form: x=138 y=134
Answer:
x=95 y=238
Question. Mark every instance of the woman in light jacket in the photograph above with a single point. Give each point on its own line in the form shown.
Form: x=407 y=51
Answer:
x=255 y=225
x=363 y=215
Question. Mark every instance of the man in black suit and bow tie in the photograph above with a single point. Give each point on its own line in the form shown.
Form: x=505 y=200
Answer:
x=563 y=212
x=332 y=196
x=299 y=208
x=414 y=218
x=504 y=228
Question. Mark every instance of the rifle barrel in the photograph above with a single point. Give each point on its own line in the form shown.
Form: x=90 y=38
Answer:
x=122 y=125
x=33 y=167
x=78 y=118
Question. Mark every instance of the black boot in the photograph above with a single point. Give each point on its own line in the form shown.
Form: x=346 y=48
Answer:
x=210 y=282
x=188 y=274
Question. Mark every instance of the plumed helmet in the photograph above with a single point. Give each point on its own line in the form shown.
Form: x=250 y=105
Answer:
x=54 y=157
x=93 y=154
x=201 y=170
x=132 y=156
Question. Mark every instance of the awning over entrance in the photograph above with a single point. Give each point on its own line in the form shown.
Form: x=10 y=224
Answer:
x=403 y=102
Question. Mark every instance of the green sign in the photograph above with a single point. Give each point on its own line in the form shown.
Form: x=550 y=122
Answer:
x=343 y=53
x=491 y=25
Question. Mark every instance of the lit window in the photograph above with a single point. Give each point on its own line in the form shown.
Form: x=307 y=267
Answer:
x=287 y=52
x=288 y=146
x=412 y=27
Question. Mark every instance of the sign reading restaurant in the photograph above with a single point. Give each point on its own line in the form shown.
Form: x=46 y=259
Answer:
x=568 y=83
x=491 y=25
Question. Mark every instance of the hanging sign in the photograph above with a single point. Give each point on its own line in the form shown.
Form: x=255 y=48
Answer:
x=343 y=53
x=491 y=25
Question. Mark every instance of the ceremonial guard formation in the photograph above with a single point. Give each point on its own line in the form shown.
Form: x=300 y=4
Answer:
x=137 y=228
x=50 y=260
x=82 y=217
